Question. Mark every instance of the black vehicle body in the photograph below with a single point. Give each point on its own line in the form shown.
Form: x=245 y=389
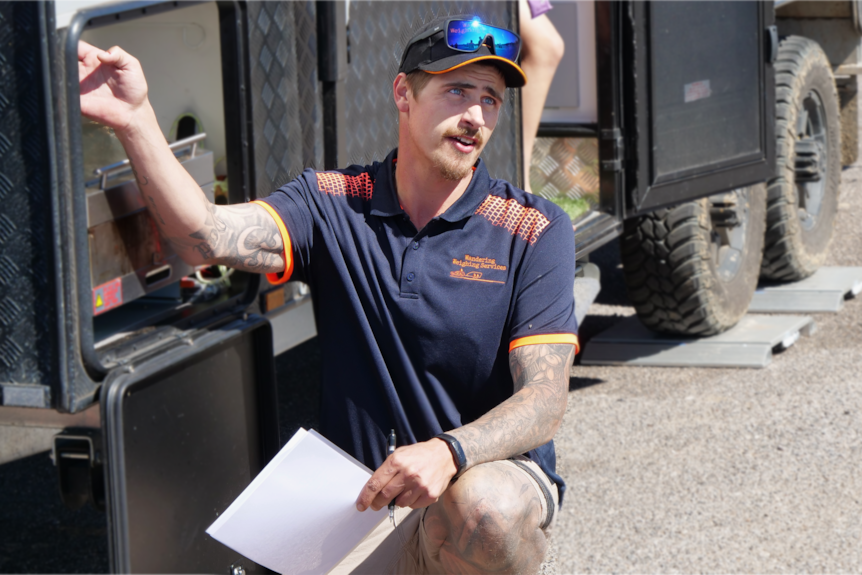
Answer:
x=647 y=54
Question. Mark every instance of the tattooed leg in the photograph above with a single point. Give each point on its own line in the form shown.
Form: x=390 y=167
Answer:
x=488 y=521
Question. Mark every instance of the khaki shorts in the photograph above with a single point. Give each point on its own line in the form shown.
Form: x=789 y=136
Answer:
x=403 y=549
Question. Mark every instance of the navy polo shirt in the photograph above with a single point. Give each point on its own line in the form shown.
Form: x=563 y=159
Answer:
x=416 y=325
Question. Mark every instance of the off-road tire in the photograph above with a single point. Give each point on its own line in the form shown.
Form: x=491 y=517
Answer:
x=670 y=269
x=797 y=241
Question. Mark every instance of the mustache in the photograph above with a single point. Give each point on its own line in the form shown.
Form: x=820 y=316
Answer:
x=456 y=132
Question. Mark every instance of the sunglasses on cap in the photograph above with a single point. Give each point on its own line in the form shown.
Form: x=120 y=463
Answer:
x=469 y=35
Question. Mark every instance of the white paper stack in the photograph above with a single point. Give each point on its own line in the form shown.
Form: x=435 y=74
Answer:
x=299 y=514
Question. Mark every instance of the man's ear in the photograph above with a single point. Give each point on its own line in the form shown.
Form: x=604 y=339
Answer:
x=400 y=89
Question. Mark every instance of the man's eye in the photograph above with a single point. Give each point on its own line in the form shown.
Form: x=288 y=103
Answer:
x=456 y=91
x=489 y=101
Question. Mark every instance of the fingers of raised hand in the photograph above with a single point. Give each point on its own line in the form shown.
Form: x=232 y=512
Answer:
x=85 y=50
x=119 y=58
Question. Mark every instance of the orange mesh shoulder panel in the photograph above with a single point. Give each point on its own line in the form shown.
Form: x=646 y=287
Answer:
x=528 y=223
x=283 y=277
x=338 y=184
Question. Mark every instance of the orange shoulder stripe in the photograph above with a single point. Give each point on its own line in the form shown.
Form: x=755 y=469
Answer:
x=283 y=277
x=550 y=338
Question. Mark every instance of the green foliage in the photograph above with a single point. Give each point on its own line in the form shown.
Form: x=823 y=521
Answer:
x=574 y=207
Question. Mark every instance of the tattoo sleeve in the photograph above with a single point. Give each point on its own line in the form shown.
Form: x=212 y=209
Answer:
x=532 y=415
x=242 y=236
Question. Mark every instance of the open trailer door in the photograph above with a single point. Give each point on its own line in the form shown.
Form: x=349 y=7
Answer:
x=184 y=433
x=698 y=99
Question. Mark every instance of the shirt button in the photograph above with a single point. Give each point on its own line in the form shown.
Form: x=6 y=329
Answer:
x=411 y=276
x=415 y=245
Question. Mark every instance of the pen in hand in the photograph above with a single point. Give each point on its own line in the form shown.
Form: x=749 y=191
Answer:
x=391 y=451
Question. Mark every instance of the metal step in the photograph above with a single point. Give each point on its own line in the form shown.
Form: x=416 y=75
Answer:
x=587 y=287
x=749 y=344
x=823 y=292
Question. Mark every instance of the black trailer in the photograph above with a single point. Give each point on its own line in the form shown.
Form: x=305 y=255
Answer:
x=164 y=378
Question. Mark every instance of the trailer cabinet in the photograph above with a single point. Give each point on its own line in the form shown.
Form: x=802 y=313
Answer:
x=660 y=129
x=83 y=266
x=91 y=302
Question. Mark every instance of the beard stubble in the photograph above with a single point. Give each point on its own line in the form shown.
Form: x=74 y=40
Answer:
x=452 y=164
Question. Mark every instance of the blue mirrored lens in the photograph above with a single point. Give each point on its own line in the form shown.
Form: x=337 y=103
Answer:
x=468 y=35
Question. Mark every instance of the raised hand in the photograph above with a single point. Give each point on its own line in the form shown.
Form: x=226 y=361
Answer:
x=113 y=87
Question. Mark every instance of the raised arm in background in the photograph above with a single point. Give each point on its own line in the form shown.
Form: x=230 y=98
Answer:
x=114 y=93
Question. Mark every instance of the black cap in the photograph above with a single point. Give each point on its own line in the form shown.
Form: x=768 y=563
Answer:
x=427 y=51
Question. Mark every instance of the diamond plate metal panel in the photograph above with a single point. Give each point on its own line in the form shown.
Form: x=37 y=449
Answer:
x=287 y=130
x=566 y=171
x=377 y=34
x=27 y=299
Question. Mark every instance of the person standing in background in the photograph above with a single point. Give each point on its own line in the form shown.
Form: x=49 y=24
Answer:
x=542 y=49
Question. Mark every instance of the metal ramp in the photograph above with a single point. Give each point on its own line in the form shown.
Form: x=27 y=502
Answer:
x=825 y=291
x=587 y=287
x=749 y=344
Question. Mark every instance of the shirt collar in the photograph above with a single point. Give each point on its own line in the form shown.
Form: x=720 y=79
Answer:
x=384 y=199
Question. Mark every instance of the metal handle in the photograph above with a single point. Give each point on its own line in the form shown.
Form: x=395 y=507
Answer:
x=176 y=148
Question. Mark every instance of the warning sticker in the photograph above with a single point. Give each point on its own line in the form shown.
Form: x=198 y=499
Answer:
x=697 y=91
x=107 y=296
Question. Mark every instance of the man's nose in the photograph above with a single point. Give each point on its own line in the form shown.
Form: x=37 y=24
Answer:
x=474 y=116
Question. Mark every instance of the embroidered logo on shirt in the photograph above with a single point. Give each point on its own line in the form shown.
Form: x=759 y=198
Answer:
x=475 y=276
x=528 y=223
x=337 y=184
x=476 y=263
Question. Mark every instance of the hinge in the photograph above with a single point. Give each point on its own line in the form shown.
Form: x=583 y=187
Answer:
x=771 y=43
x=615 y=162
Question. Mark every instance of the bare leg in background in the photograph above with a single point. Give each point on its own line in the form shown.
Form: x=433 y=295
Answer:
x=541 y=52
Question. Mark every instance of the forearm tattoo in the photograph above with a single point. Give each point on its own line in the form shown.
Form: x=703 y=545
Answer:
x=241 y=236
x=532 y=415
x=244 y=237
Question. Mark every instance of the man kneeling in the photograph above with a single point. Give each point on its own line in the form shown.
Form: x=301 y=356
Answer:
x=443 y=300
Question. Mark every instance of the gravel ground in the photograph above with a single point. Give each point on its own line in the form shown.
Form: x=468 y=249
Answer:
x=719 y=470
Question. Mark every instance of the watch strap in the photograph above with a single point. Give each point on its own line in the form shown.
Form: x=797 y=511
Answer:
x=457 y=452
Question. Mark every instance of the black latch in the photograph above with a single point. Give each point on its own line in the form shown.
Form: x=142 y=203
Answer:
x=614 y=163
x=77 y=455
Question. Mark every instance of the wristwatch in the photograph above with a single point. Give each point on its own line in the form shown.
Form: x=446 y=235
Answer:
x=457 y=453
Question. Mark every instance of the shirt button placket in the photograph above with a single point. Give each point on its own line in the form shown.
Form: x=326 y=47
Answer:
x=412 y=264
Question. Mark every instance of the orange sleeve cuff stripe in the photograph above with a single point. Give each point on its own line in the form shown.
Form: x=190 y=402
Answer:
x=283 y=277
x=550 y=338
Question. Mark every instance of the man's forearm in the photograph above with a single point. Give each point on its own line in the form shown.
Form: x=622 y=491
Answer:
x=532 y=415
x=242 y=236
x=176 y=202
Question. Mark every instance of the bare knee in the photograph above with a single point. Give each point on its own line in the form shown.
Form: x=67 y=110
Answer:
x=489 y=520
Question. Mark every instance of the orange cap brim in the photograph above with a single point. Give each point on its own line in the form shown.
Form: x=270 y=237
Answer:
x=479 y=59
